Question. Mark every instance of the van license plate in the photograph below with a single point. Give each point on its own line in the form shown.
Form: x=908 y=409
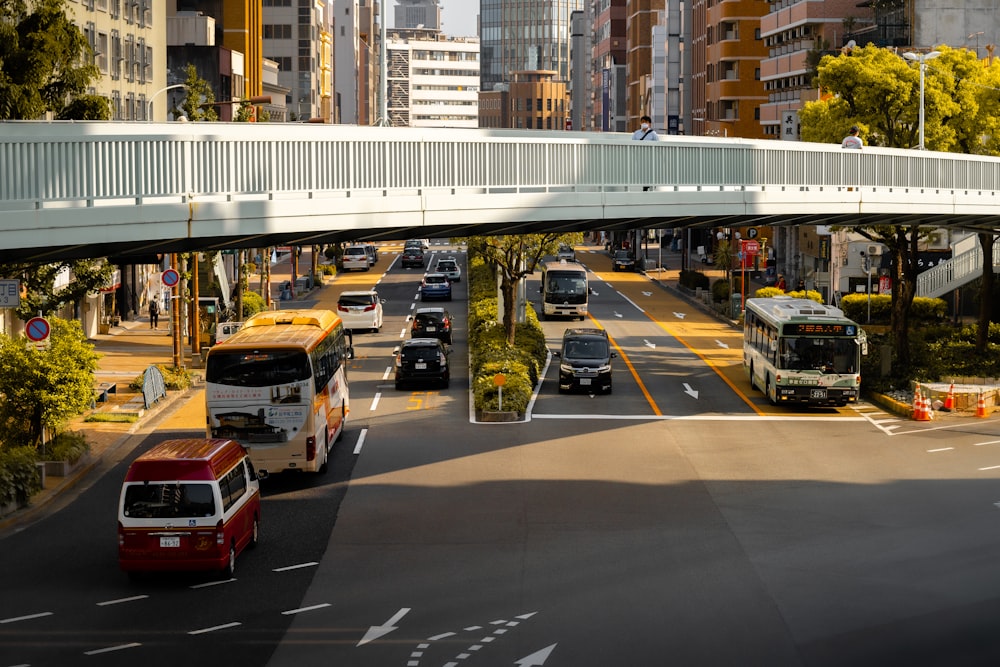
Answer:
x=420 y=366
x=170 y=542
x=584 y=381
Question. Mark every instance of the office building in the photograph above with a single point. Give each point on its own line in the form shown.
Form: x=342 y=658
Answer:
x=356 y=61
x=300 y=40
x=608 y=68
x=417 y=14
x=433 y=80
x=529 y=35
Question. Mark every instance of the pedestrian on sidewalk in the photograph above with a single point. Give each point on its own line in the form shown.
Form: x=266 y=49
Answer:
x=781 y=284
x=154 y=314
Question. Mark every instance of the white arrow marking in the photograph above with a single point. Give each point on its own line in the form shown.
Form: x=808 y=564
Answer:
x=647 y=294
x=721 y=344
x=689 y=391
x=648 y=344
x=378 y=631
x=536 y=658
x=617 y=314
x=594 y=293
x=679 y=316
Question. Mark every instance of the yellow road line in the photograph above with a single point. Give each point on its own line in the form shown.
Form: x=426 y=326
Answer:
x=631 y=368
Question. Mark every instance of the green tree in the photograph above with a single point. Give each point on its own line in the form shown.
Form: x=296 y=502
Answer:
x=197 y=104
x=39 y=284
x=515 y=257
x=44 y=388
x=41 y=56
x=879 y=91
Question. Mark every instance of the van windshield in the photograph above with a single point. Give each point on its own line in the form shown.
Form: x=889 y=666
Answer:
x=171 y=500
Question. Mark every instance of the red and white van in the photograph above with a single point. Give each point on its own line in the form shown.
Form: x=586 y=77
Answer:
x=191 y=504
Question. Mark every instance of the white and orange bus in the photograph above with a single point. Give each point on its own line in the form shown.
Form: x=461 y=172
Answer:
x=279 y=388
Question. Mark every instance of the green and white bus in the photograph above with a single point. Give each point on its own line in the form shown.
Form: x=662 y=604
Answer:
x=800 y=351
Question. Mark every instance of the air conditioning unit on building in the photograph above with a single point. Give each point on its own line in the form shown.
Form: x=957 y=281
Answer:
x=873 y=249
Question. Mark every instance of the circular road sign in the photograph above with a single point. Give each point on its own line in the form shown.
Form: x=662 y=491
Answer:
x=37 y=329
x=499 y=380
x=170 y=278
x=752 y=233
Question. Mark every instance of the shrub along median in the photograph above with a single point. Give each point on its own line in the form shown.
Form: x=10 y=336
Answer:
x=490 y=355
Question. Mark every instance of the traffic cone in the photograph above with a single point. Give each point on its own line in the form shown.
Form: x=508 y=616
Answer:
x=918 y=405
x=981 y=406
x=949 y=401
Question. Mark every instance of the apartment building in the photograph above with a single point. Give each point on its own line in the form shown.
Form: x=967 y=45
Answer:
x=433 y=80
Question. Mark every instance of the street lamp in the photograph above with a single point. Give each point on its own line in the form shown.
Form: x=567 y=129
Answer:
x=149 y=114
x=922 y=58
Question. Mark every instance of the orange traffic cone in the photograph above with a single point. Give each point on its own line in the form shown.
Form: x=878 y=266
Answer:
x=981 y=406
x=949 y=401
x=919 y=413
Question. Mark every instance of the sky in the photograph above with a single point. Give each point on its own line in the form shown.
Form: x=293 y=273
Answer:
x=458 y=17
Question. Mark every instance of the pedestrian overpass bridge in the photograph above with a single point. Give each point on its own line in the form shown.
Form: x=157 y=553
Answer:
x=93 y=189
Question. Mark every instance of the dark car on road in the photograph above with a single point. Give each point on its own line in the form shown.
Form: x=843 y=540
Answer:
x=413 y=257
x=622 y=261
x=432 y=323
x=435 y=286
x=585 y=361
x=422 y=360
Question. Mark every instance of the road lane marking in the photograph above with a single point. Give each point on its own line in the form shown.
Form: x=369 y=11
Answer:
x=361 y=441
x=215 y=628
x=305 y=609
x=109 y=649
x=631 y=368
x=940 y=449
x=378 y=397
x=121 y=600
x=989 y=468
x=289 y=568
x=631 y=301
x=29 y=617
x=706 y=418
x=388 y=369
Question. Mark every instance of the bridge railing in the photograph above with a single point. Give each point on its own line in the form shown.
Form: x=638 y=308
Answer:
x=95 y=164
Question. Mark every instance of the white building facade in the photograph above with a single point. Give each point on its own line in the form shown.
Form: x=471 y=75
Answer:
x=433 y=80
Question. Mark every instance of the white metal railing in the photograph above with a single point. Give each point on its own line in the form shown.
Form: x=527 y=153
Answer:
x=955 y=272
x=98 y=163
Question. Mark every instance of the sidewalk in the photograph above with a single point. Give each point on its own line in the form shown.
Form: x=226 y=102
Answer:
x=126 y=352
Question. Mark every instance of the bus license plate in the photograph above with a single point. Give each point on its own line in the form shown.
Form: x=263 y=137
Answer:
x=817 y=393
x=170 y=542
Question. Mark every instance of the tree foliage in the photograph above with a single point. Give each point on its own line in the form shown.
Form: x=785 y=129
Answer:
x=515 y=257
x=200 y=97
x=879 y=91
x=44 y=62
x=44 y=388
x=38 y=281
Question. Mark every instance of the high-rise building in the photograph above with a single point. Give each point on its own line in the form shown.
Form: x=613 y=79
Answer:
x=608 y=66
x=642 y=15
x=525 y=35
x=538 y=101
x=356 y=61
x=129 y=42
x=239 y=28
x=299 y=39
x=433 y=79
x=412 y=14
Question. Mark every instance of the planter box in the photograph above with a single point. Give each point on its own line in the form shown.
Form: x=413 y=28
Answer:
x=494 y=416
x=63 y=468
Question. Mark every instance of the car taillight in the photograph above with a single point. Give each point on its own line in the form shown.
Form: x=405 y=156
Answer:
x=446 y=322
x=342 y=308
x=369 y=307
x=121 y=535
x=220 y=534
x=311 y=448
x=441 y=358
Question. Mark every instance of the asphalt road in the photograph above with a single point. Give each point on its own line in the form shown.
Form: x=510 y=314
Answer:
x=677 y=521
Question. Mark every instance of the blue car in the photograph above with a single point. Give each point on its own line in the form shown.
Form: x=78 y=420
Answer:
x=435 y=286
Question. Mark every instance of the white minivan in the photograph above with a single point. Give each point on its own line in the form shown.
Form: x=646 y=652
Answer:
x=356 y=257
x=361 y=309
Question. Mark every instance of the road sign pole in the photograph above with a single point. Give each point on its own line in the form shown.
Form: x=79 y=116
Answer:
x=175 y=316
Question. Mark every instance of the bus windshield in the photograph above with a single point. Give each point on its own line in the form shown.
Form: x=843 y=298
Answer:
x=829 y=355
x=257 y=369
x=562 y=283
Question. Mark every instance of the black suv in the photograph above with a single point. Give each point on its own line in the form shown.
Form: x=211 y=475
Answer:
x=432 y=323
x=622 y=261
x=585 y=361
x=413 y=256
x=422 y=359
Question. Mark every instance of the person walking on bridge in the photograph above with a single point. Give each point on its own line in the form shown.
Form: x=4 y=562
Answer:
x=852 y=140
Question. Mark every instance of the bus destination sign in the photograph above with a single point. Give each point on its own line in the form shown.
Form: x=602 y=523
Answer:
x=820 y=329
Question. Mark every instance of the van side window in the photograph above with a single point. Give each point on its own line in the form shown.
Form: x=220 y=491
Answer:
x=233 y=486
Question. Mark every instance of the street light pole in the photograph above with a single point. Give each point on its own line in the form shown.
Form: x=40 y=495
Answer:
x=149 y=114
x=922 y=58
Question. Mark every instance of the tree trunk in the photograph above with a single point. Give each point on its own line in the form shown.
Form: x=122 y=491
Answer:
x=986 y=241
x=904 y=285
x=508 y=287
